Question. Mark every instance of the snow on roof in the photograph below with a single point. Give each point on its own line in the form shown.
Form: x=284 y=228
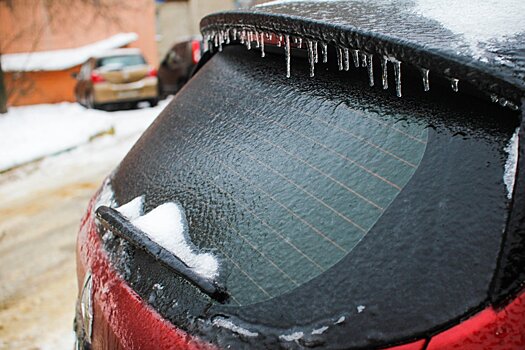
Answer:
x=118 y=52
x=62 y=59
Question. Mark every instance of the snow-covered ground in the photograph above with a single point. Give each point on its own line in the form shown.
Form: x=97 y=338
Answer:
x=32 y=132
x=41 y=204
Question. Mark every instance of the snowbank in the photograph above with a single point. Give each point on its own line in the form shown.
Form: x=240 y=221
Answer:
x=32 y=132
x=62 y=59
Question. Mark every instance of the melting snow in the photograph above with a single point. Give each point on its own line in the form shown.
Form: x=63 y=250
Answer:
x=166 y=225
x=220 y=322
x=511 y=164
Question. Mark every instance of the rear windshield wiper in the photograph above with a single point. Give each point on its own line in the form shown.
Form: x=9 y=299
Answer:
x=122 y=227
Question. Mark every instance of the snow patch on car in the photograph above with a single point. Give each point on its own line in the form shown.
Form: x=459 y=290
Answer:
x=106 y=195
x=512 y=162
x=291 y=337
x=166 y=225
x=223 y=323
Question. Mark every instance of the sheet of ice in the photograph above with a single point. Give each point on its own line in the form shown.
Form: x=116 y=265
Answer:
x=476 y=20
x=62 y=59
x=31 y=132
x=166 y=225
x=512 y=162
x=221 y=322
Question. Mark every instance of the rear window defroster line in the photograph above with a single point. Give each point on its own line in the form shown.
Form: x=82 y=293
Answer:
x=119 y=225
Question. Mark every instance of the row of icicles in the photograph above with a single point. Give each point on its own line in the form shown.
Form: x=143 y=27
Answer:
x=344 y=55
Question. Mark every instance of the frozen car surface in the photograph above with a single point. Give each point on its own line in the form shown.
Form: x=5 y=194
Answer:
x=316 y=210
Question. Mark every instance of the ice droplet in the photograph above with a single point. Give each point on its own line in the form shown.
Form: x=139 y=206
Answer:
x=355 y=56
x=325 y=52
x=454 y=84
x=262 y=45
x=346 y=59
x=311 y=58
x=287 y=55
x=316 y=52
x=397 y=74
x=426 y=83
x=339 y=58
x=370 y=64
x=384 y=72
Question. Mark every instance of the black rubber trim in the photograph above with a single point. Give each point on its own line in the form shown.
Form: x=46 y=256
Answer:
x=119 y=225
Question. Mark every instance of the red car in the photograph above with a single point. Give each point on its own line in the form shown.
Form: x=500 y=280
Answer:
x=290 y=198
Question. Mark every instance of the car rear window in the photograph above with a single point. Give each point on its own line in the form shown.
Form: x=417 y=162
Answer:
x=320 y=196
x=306 y=181
x=120 y=61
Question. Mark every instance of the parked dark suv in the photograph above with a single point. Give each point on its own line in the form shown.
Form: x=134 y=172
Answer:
x=336 y=174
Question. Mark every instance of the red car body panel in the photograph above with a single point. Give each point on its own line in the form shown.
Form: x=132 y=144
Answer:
x=122 y=320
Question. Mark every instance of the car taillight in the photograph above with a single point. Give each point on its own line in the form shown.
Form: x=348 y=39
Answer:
x=96 y=78
x=152 y=72
x=195 y=51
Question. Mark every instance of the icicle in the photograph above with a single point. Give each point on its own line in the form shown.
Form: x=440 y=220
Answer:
x=339 y=58
x=287 y=54
x=325 y=52
x=221 y=39
x=227 y=36
x=215 y=40
x=300 y=42
x=262 y=45
x=355 y=56
x=243 y=37
x=363 y=59
x=279 y=43
x=249 y=41
x=234 y=33
x=384 y=73
x=454 y=84
x=311 y=57
x=370 y=64
x=257 y=42
x=316 y=52
x=270 y=36
x=346 y=59
x=426 y=83
x=397 y=73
